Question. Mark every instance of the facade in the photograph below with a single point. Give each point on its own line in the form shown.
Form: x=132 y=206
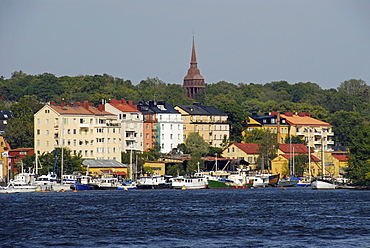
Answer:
x=243 y=151
x=92 y=132
x=131 y=121
x=272 y=121
x=149 y=125
x=210 y=122
x=193 y=81
x=166 y=122
x=4 y=152
x=318 y=134
x=98 y=168
x=15 y=157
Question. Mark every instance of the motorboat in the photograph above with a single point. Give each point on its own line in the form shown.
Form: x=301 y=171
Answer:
x=18 y=187
x=182 y=182
x=323 y=184
x=154 y=182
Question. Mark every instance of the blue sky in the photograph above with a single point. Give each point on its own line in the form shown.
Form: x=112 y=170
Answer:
x=325 y=42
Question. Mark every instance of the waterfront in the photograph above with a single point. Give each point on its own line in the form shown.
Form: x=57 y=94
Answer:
x=264 y=217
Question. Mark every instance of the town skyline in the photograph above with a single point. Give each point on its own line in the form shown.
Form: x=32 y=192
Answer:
x=238 y=41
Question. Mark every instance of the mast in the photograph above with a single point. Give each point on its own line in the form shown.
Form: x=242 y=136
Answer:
x=322 y=154
x=309 y=154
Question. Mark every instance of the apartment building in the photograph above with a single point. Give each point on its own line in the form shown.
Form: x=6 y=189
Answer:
x=210 y=122
x=165 y=123
x=131 y=120
x=92 y=132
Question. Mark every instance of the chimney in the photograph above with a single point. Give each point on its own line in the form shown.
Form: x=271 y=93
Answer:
x=101 y=107
x=85 y=104
x=129 y=103
x=62 y=104
x=52 y=103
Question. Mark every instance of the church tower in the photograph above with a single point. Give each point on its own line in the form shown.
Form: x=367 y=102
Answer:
x=194 y=82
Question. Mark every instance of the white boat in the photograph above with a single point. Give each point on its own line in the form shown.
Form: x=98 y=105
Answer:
x=189 y=182
x=323 y=184
x=154 y=182
x=49 y=183
x=127 y=186
x=260 y=180
x=107 y=183
x=18 y=187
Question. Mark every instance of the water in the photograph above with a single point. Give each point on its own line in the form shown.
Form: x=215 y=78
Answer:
x=266 y=217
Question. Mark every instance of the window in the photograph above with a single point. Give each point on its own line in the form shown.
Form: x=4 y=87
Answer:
x=74 y=121
x=171 y=136
x=47 y=111
x=46 y=132
x=75 y=142
x=47 y=143
x=147 y=136
x=147 y=126
x=38 y=120
x=74 y=131
x=47 y=121
x=68 y=142
x=38 y=131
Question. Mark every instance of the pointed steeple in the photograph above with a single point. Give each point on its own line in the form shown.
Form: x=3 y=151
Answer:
x=193 y=81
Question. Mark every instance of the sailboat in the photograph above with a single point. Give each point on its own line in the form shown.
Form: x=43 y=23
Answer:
x=323 y=183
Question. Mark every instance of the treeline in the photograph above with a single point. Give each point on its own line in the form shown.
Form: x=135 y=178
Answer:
x=344 y=107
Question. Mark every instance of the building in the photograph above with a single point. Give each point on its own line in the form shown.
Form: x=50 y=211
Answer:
x=15 y=157
x=193 y=81
x=210 y=122
x=243 y=151
x=92 y=132
x=4 y=116
x=165 y=123
x=98 y=168
x=316 y=133
x=4 y=152
x=272 y=122
x=131 y=124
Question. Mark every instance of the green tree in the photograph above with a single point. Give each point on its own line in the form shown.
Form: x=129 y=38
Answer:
x=175 y=170
x=20 y=132
x=359 y=157
x=192 y=166
x=295 y=140
x=196 y=144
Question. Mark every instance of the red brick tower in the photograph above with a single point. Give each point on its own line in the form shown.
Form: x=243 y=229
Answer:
x=194 y=82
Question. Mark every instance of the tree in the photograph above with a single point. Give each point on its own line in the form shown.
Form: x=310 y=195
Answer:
x=196 y=144
x=295 y=140
x=343 y=124
x=20 y=132
x=359 y=157
x=175 y=170
x=300 y=164
x=192 y=165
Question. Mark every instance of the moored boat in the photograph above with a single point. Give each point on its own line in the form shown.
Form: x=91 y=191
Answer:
x=154 y=182
x=18 y=187
x=189 y=182
x=228 y=184
x=323 y=184
x=288 y=182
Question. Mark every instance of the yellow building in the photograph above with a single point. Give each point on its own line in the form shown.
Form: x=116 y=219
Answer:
x=335 y=163
x=99 y=168
x=245 y=151
x=92 y=132
x=318 y=134
x=210 y=122
x=4 y=148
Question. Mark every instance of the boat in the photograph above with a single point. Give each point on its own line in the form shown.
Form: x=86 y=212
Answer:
x=84 y=183
x=49 y=183
x=127 y=186
x=274 y=180
x=18 y=187
x=107 y=183
x=154 y=182
x=234 y=180
x=323 y=184
x=288 y=182
x=182 y=182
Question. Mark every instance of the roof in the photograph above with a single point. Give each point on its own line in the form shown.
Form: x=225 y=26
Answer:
x=109 y=163
x=124 y=107
x=341 y=157
x=78 y=110
x=197 y=109
x=294 y=148
x=250 y=148
x=303 y=120
x=289 y=156
x=160 y=107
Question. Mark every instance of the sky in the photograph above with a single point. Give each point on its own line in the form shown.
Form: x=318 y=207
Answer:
x=237 y=41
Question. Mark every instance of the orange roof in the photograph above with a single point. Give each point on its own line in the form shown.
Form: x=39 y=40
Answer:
x=295 y=148
x=340 y=157
x=250 y=148
x=124 y=107
x=303 y=120
x=78 y=110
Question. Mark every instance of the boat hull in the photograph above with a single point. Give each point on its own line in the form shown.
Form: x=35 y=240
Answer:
x=287 y=183
x=321 y=184
x=217 y=184
x=80 y=186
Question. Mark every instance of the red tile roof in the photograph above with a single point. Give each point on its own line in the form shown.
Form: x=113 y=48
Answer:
x=295 y=148
x=124 y=107
x=340 y=157
x=250 y=148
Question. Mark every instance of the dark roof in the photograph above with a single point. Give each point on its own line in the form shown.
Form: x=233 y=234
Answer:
x=108 y=163
x=197 y=109
x=156 y=107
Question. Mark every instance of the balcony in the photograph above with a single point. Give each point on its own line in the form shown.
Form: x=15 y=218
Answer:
x=330 y=142
x=317 y=142
x=84 y=125
x=300 y=133
x=330 y=133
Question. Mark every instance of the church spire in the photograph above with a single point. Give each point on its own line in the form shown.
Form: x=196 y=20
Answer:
x=193 y=81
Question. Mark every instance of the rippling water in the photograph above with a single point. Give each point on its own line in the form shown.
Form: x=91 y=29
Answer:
x=266 y=217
